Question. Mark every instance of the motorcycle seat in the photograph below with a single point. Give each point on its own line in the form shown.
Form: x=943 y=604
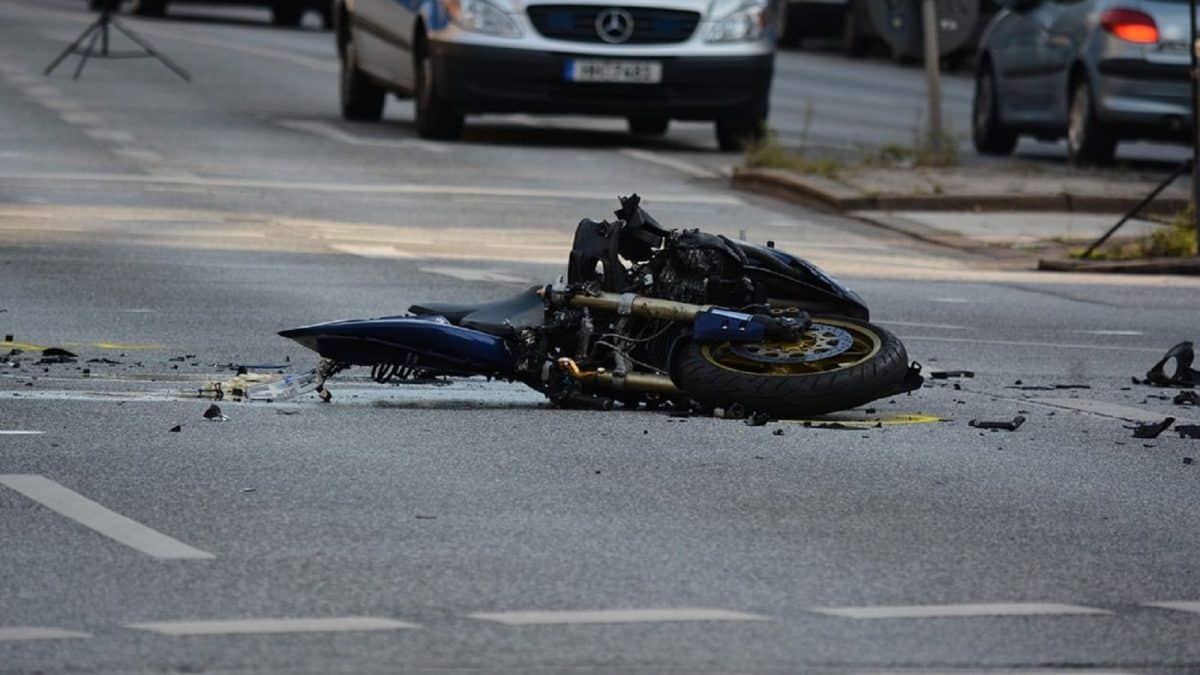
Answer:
x=499 y=317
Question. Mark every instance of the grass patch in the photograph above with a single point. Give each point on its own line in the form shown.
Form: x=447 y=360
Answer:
x=1177 y=239
x=768 y=154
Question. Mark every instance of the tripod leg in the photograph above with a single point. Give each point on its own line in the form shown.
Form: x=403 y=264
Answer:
x=152 y=51
x=87 y=53
x=71 y=48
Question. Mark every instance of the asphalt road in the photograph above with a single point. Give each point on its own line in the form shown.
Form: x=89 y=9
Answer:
x=174 y=228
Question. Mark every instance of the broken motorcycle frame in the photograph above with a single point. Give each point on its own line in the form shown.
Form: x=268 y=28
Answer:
x=648 y=316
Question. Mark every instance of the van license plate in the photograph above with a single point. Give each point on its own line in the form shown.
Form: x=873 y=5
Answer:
x=637 y=72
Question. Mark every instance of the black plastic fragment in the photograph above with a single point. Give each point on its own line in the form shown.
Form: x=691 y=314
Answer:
x=1007 y=425
x=1183 y=355
x=176 y=429
x=1151 y=429
x=777 y=432
x=947 y=374
x=55 y=355
x=827 y=425
x=1188 y=430
x=1186 y=398
x=213 y=412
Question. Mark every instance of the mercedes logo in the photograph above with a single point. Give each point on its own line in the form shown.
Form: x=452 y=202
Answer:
x=614 y=25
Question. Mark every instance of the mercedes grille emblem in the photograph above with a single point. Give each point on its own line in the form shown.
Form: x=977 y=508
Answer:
x=614 y=25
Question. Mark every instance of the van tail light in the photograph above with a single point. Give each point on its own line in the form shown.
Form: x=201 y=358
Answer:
x=1130 y=25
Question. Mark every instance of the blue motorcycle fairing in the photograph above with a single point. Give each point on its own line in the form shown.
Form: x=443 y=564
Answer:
x=433 y=340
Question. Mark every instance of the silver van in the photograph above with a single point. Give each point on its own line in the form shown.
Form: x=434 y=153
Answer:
x=649 y=61
x=1095 y=71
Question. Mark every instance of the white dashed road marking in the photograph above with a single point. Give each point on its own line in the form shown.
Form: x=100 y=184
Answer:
x=693 y=170
x=256 y=626
x=85 y=119
x=1182 y=606
x=20 y=432
x=1029 y=343
x=1111 y=332
x=326 y=130
x=92 y=515
x=536 y=617
x=472 y=274
x=1106 y=409
x=113 y=135
x=915 y=324
x=963 y=610
x=19 y=633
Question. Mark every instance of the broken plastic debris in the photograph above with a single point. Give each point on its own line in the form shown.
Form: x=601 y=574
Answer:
x=947 y=374
x=1152 y=429
x=1188 y=430
x=1186 y=398
x=176 y=429
x=260 y=387
x=1183 y=376
x=213 y=414
x=1007 y=425
x=55 y=355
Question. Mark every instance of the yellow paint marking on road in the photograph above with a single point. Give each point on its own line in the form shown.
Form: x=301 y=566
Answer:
x=866 y=422
x=31 y=347
x=124 y=346
x=23 y=346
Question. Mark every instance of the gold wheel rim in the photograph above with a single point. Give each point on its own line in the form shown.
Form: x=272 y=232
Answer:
x=865 y=345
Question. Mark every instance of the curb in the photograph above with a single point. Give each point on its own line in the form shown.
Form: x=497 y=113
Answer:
x=814 y=189
x=1190 y=266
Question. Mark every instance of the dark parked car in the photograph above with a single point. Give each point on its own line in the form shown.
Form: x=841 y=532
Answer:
x=1095 y=71
x=283 y=12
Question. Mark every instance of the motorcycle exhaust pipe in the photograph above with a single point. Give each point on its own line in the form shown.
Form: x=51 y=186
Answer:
x=637 y=305
x=642 y=383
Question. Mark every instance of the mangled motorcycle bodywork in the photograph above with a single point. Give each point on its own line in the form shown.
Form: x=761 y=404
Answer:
x=649 y=316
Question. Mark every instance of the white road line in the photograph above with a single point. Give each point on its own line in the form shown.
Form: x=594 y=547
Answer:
x=950 y=301
x=85 y=119
x=537 y=617
x=1181 y=606
x=41 y=91
x=326 y=130
x=1106 y=409
x=963 y=610
x=679 y=165
x=1111 y=332
x=335 y=624
x=60 y=104
x=472 y=274
x=916 y=324
x=1024 y=343
x=138 y=154
x=92 y=515
x=113 y=135
x=20 y=432
x=19 y=633
x=375 y=251
x=359 y=188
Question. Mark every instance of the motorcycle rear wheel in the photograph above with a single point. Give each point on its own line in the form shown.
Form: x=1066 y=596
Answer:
x=800 y=381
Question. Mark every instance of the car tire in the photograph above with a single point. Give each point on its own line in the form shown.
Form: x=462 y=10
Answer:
x=326 y=16
x=1089 y=141
x=362 y=99
x=286 y=13
x=854 y=43
x=739 y=132
x=988 y=134
x=149 y=7
x=436 y=117
x=649 y=125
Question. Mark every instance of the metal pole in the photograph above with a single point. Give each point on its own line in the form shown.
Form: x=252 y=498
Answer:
x=1195 y=126
x=933 y=75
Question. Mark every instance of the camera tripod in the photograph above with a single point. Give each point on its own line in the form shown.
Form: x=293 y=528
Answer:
x=98 y=33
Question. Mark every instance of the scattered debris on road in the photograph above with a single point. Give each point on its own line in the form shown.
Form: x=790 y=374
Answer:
x=214 y=414
x=1007 y=425
x=1186 y=398
x=246 y=386
x=1047 y=387
x=53 y=355
x=777 y=432
x=947 y=374
x=176 y=429
x=1151 y=429
x=1188 y=430
x=758 y=419
x=1183 y=375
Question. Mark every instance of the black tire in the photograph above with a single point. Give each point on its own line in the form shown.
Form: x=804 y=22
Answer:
x=649 y=125
x=287 y=13
x=436 y=117
x=735 y=134
x=988 y=134
x=326 y=11
x=854 y=43
x=1089 y=141
x=362 y=99
x=883 y=372
x=149 y=7
x=788 y=28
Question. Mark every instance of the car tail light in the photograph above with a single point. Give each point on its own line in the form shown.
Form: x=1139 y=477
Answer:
x=1130 y=25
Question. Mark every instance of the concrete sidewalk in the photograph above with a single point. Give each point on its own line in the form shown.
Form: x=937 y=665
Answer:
x=994 y=210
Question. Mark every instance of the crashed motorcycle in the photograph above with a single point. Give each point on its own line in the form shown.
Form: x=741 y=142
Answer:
x=652 y=317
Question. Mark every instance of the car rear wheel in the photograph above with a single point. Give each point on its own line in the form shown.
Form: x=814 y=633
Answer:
x=735 y=134
x=362 y=99
x=989 y=135
x=436 y=117
x=854 y=42
x=149 y=7
x=649 y=125
x=285 y=13
x=1088 y=140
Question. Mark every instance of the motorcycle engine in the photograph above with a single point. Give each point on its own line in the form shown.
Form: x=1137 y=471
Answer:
x=701 y=268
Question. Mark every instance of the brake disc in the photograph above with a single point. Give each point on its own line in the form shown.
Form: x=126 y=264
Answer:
x=821 y=341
